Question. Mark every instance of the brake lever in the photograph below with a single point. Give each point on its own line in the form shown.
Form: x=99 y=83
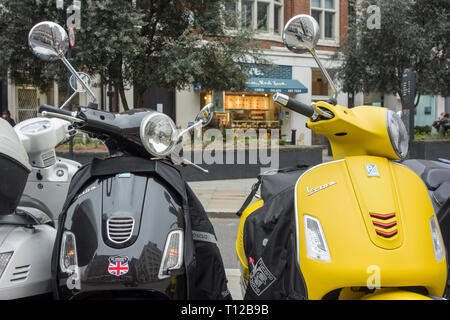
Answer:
x=320 y=112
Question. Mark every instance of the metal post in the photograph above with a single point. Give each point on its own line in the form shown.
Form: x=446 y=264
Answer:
x=4 y=92
x=408 y=96
x=110 y=98
x=102 y=94
x=69 y=90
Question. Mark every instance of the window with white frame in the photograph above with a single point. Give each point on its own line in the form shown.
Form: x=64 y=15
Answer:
x=264 y=16
x=326 y=14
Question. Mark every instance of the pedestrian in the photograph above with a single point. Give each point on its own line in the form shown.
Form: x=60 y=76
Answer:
x=7 y=116
x=442 y=124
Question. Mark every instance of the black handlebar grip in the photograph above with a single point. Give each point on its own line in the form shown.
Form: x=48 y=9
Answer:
x=48 y=108
x=293 y=104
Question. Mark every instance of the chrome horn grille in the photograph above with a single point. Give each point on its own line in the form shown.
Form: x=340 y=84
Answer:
x=120 y=229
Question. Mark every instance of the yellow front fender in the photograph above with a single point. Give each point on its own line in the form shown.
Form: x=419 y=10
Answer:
x=394 y=294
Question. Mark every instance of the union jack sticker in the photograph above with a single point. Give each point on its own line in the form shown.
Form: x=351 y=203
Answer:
x=118 y=266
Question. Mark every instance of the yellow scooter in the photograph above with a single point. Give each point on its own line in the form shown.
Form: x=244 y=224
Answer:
x=361 y=226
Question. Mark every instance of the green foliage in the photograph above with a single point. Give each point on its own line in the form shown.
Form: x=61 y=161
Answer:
x=413 y=34
x=16 y=20
x=422 y=130
x=157 y=43
x=430 y=136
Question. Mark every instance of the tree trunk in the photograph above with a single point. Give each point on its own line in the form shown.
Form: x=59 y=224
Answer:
x=123 y=98
x=418 y=95
x=139 y=97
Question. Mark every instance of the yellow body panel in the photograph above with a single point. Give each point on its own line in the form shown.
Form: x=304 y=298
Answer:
x=358 y=254
x=356 y=131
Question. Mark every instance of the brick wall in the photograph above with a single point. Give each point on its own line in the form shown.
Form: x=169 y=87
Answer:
x=295 y=7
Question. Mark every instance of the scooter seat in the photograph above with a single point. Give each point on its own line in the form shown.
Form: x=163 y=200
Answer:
x=29 y=202
x=434 y=177
x=441 y=194
x=26 y=216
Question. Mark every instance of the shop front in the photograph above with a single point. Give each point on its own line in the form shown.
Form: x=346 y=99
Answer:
x=254 y=108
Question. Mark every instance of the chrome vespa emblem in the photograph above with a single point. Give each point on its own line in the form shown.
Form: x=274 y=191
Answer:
x=311 y=191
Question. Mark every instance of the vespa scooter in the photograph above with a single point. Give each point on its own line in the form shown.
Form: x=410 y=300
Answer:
x=28 y=228
x=130 y=227
x=359 y=227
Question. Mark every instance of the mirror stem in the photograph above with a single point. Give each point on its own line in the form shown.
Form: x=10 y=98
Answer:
x=324 y=71
x=185 y=161
x=77 y=76
x=68 y=100
x=182 y=133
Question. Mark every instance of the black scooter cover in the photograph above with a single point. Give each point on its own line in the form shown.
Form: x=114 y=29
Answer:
x=270 y=240
x=203 y=263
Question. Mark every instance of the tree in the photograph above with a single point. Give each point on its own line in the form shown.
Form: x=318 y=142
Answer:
x=170 y=44
x=412 y=34
x=16 y=20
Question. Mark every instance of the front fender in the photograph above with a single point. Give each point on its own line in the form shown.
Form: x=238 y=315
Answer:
x=395 y=294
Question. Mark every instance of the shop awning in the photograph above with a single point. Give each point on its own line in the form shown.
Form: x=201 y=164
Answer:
x=275 y=85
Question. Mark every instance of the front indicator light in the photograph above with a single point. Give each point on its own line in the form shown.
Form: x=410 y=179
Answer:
x=69 y=260
x=172 y=258
x=438 y=247
x=316 y=244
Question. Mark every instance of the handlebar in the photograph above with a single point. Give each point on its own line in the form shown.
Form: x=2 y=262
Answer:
x=293 y=104
x=48 y=108
x=51 y=111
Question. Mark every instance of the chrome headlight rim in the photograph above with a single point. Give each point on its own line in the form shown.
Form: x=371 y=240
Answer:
x=400 y=147
x=142 y=133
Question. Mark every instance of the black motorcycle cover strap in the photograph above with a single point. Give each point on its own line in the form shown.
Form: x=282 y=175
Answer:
x=272 y=186
x=270 y=241
x=204 y=267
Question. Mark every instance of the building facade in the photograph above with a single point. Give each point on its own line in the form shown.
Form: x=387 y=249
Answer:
x=294 y=74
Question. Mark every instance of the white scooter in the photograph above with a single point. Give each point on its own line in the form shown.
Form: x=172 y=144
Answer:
x=50 y=176
x=28 y=224
x=33 y=187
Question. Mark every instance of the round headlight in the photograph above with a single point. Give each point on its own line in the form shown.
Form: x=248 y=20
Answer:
x=397 y=134
x=157 y=134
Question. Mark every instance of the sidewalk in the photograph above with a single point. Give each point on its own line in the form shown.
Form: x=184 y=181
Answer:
x=223 y=198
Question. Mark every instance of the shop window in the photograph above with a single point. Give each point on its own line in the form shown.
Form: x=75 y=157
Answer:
x=246 y=110
x=263 y=9
x=319 y=83
x=231 y=19
x=277 y=19
x=246 y=14
x=326 y=14
x=265 y=16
